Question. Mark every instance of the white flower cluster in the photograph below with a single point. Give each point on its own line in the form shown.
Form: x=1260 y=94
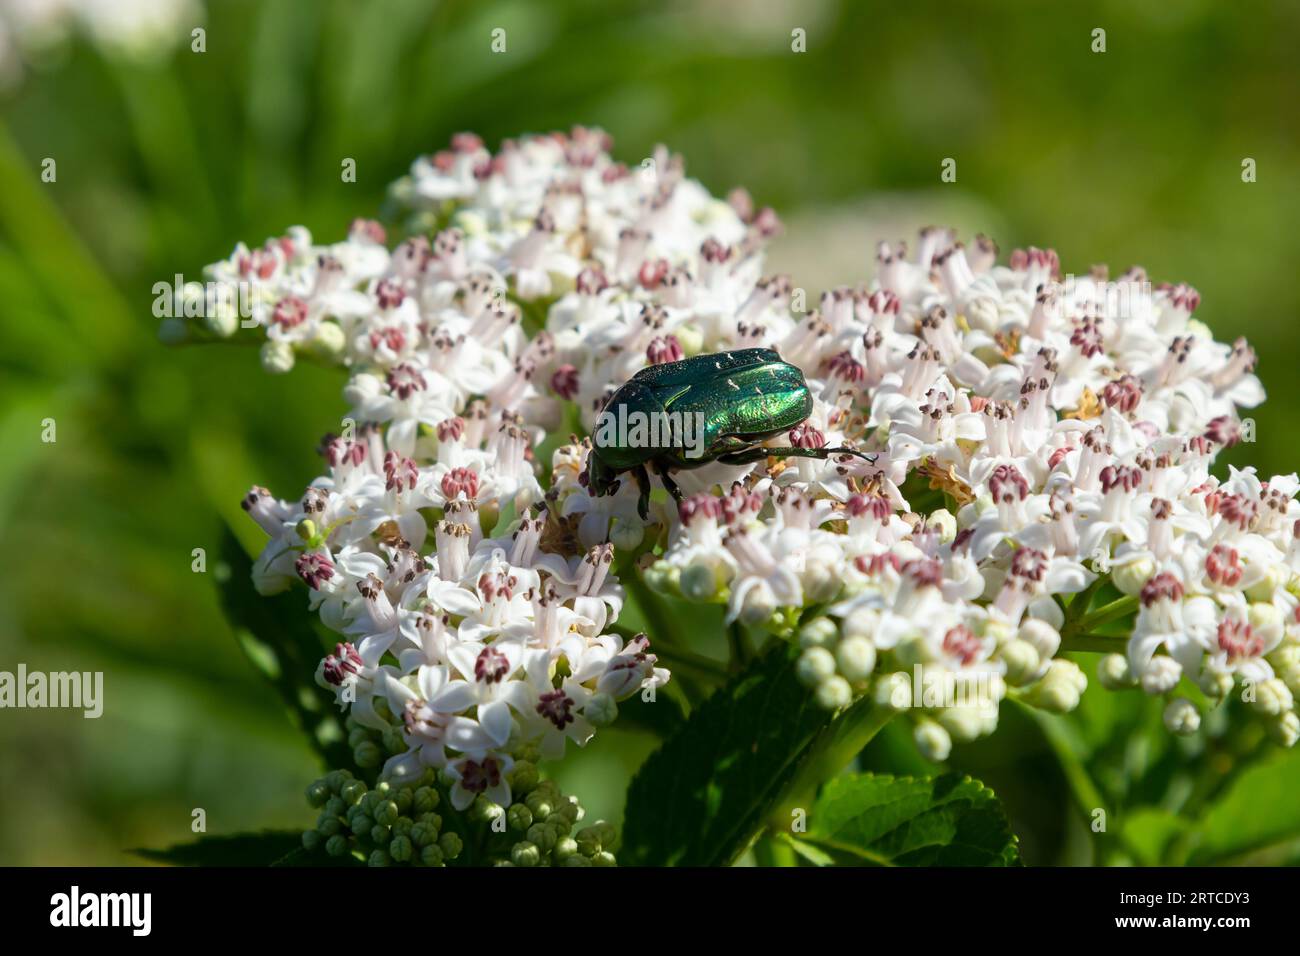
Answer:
x=1054 y=436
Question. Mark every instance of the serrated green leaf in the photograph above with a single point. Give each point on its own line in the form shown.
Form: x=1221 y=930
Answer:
x=280 y=639
x=880 y=820
x=700 y=799
x=242 y=849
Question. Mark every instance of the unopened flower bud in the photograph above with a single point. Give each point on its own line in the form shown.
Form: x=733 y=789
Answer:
x=601 y=710
x=856 y=657
x=1113 y=672
x=815 y=665
x=277 y=357
x=525 y=854
x=519 y=817
x=1272 y=697
x=1021 y=660
x=819 y=632
x=1215 y=684
x=328 y=343
x=834 y=692
x=451 y=845
x=932 y=740
x=893 y=691
x=1161 y=675
x=699 y=581
x=1286 y=728
x=942 y=521
x=1129 y=576
x=1181 y=717
x=963 y=724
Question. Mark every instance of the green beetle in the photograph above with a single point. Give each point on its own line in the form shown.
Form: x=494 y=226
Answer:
x=718 y=407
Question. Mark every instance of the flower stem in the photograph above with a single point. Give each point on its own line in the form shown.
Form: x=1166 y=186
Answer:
x=1113 y=611
x=832 y=750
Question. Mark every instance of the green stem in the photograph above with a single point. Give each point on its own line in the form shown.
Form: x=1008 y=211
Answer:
x=1087 y=796
x=741 y=652
x=652 y=609
x=832 y=750
x=1079 y=606
x=1113 y=611
x=1101 y=643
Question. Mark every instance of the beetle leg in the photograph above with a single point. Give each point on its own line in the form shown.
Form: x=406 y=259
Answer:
x=662 y=471
x=643 y=485
x=759 y=452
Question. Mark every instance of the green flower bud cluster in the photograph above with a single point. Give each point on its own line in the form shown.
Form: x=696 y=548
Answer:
x=415 y=824
x=385 y=826
x=540 y=827
x=371 y=747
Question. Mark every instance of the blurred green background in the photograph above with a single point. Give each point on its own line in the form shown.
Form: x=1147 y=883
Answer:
x=1129 y=156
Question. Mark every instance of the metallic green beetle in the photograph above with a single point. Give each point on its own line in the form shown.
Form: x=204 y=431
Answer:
x=717 y=407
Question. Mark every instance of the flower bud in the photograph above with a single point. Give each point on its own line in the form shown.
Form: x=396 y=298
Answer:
x=1161 y=675
x=625 y=535
x=1286 y=728
x=277 y=357
x=1181 y=717
x=1215 y=684
x=1113 y=672
x=328 y=342
x=834 y=692
x=368 y=754
x=856 y=657
x=525 y=854
x=432 y=855
x=1274 y=577
x=893 y=691
x=1021 y=660
x=963 y=724
x=663 y=577
x=690 y=337
x=699 y=581
x=1129 y=576
x=519 y=817
x=1272 y=697
x=400 y=849
x=815 y=665
x=942 y=521
x=451 y=845
x=862 y=622
x=932 y=740
x=1266 y=620
x=819 y=632
x=524 y=777
x=601 y=710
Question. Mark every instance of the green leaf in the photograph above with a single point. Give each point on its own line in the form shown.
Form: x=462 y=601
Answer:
x=1258 y=809
x=879 y=820
x=662 y=716
x=241 y=849
x=700 y=799
x=280 y=639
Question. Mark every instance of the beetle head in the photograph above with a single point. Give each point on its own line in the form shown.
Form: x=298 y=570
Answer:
x=601 y=479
